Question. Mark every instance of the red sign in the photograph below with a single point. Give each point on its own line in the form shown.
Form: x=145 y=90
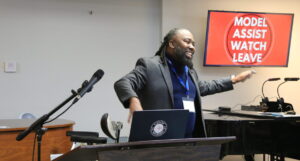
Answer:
x=247 y=39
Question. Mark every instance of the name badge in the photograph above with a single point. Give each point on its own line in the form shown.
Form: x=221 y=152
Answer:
x=188 y=104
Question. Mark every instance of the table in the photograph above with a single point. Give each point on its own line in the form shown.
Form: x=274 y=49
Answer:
x=54 y=140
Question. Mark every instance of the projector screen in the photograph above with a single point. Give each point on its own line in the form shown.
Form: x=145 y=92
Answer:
x=247 y=38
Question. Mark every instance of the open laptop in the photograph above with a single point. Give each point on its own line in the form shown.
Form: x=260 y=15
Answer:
x=158 y=124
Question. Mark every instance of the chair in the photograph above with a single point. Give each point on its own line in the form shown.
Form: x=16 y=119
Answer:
x=27 y=116
x=110 y=128
x=87 y=137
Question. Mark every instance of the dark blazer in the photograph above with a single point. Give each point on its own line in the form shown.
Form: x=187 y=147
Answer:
x=151 y=82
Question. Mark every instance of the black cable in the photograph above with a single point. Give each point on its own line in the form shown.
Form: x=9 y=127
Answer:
x=34 y=146
x=235 y=106
x=60 y=113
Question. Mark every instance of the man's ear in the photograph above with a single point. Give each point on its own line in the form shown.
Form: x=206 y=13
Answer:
x=171 y=44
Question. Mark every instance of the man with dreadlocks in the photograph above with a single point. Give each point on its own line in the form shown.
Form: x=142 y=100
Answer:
x=168 y=81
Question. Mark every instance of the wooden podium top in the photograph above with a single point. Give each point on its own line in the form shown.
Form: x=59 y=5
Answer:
x=192 y=149
x=22 y=124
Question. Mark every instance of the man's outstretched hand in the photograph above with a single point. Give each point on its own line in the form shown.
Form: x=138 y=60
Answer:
x=241 y=77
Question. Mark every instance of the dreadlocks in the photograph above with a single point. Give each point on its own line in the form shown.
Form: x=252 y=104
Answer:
x=164 y=44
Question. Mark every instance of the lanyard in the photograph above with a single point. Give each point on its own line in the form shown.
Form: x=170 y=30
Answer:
x=185 y=84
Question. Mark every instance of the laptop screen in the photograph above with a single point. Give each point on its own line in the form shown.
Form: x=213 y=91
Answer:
x=158 y=124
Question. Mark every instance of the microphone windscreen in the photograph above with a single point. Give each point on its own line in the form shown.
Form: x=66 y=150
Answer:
x=273 y=79
x=291 y=79
x=99 y=73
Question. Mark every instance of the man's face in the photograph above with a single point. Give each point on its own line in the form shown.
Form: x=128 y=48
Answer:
x=184 y=47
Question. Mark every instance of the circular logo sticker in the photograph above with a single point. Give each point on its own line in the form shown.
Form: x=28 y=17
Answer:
x=158 y=128
x=249 y=39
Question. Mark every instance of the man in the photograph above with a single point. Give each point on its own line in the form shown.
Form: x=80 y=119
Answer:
x=168 y=81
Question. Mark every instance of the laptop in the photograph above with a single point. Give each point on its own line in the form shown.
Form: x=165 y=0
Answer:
x=158 y=124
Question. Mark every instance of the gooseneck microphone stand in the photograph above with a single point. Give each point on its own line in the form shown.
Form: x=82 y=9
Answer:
x=265 y=99
x=278 y=89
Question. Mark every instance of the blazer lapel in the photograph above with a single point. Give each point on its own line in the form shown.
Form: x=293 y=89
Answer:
x=193 y=75
x=167 y=77
x=195 y=80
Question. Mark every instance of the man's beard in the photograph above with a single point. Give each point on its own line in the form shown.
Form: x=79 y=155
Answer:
x=181 y=58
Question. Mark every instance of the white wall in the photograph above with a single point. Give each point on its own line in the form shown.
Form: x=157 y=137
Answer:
x=58 y=44
x=192 y=14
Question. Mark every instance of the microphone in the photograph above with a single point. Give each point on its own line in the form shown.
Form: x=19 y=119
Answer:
x=291 y=79
x=262 y=88
x=282 y=105
x=264 y=104
x=286 y=80
x=87 y=86
x=273 y=79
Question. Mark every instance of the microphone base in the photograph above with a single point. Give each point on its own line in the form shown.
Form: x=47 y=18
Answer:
x=275 y=106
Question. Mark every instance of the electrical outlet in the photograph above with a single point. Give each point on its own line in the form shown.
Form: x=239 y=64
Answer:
x=10 y=67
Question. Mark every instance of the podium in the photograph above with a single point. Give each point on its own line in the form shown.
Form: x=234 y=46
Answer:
x=188 y=149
